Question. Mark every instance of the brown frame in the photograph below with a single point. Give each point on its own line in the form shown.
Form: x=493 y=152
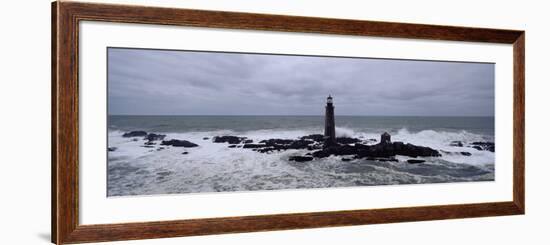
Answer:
x=65 y=121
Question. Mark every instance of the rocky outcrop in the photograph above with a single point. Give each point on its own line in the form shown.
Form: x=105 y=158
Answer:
x=135 y=134
x=343 y=146
x=253 y=146
x=228 y=139
x=483 y=146
x=154 y=137
x=381 y=150
x=179 y=143
x=347 y=140
x=301 y=158
x=314 y=137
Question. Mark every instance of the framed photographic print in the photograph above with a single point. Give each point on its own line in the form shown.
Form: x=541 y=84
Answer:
x=175 y=122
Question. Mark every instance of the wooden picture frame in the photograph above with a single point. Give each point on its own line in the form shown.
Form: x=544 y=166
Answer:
x=65 y=121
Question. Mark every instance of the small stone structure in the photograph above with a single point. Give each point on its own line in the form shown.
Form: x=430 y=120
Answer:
x=385 y=138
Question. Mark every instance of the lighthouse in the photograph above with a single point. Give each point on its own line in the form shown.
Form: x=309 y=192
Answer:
x=330 y=130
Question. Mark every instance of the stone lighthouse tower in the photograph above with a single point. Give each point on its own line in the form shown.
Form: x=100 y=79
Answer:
x=330 y=130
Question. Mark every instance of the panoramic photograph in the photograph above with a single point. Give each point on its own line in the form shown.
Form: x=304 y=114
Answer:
x=202 y=122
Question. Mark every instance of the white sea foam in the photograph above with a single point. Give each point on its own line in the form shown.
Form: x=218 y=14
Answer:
x=211 y=167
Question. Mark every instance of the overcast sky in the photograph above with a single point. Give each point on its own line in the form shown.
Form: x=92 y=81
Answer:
x=154 y=82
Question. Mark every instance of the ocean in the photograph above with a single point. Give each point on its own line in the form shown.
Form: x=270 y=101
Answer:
x=214 y=167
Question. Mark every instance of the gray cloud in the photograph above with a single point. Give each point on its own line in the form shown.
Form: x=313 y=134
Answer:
x=161 y=82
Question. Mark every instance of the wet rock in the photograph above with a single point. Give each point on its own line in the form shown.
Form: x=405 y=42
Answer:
x=347 y=140
x=205 y=138
x=300 y=158
x=456 y=143
x=314 y=137
x=185 y=153
x=381 y=150
x=368 y=141
x=272 y=142
x=346 y=159
x=251 y=146
x=300 y=144
x=484 y=146
x=111 y=149
x=232 y=146
x=228 y=139
x=248 y=141
x=148 y=146
x=135 y=134
x=386 y=159
x=179 y=143
x=465 y=153
x=149 y=143
x=265 y=149
x=415 y=161
x=154 y=137
x=315 y=147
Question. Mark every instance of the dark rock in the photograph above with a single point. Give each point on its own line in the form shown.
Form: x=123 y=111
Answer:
x=228 y=139
x=315 y=147
x=265 y=149
x=330 y=143
x=251 y=146
x=232 y=146
x=388 y=159
x=272 y=142
x=160 y=148
x=414 y=161
x=185 y=153
x=484 y=146
x=347 y=140
x=150 y=143
x=456 y=143
x=477 y=147
x=381 y=150
x=111 y=149
x=465 y=153
x=148 y=146
x=346 y=159
x=314 y=137
x=154 y=137
x=179 y=143
x=368 y=141
x=300 y=158
x=135 y=134
x=247 y=141
x=300 y=144
x=205 y=138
